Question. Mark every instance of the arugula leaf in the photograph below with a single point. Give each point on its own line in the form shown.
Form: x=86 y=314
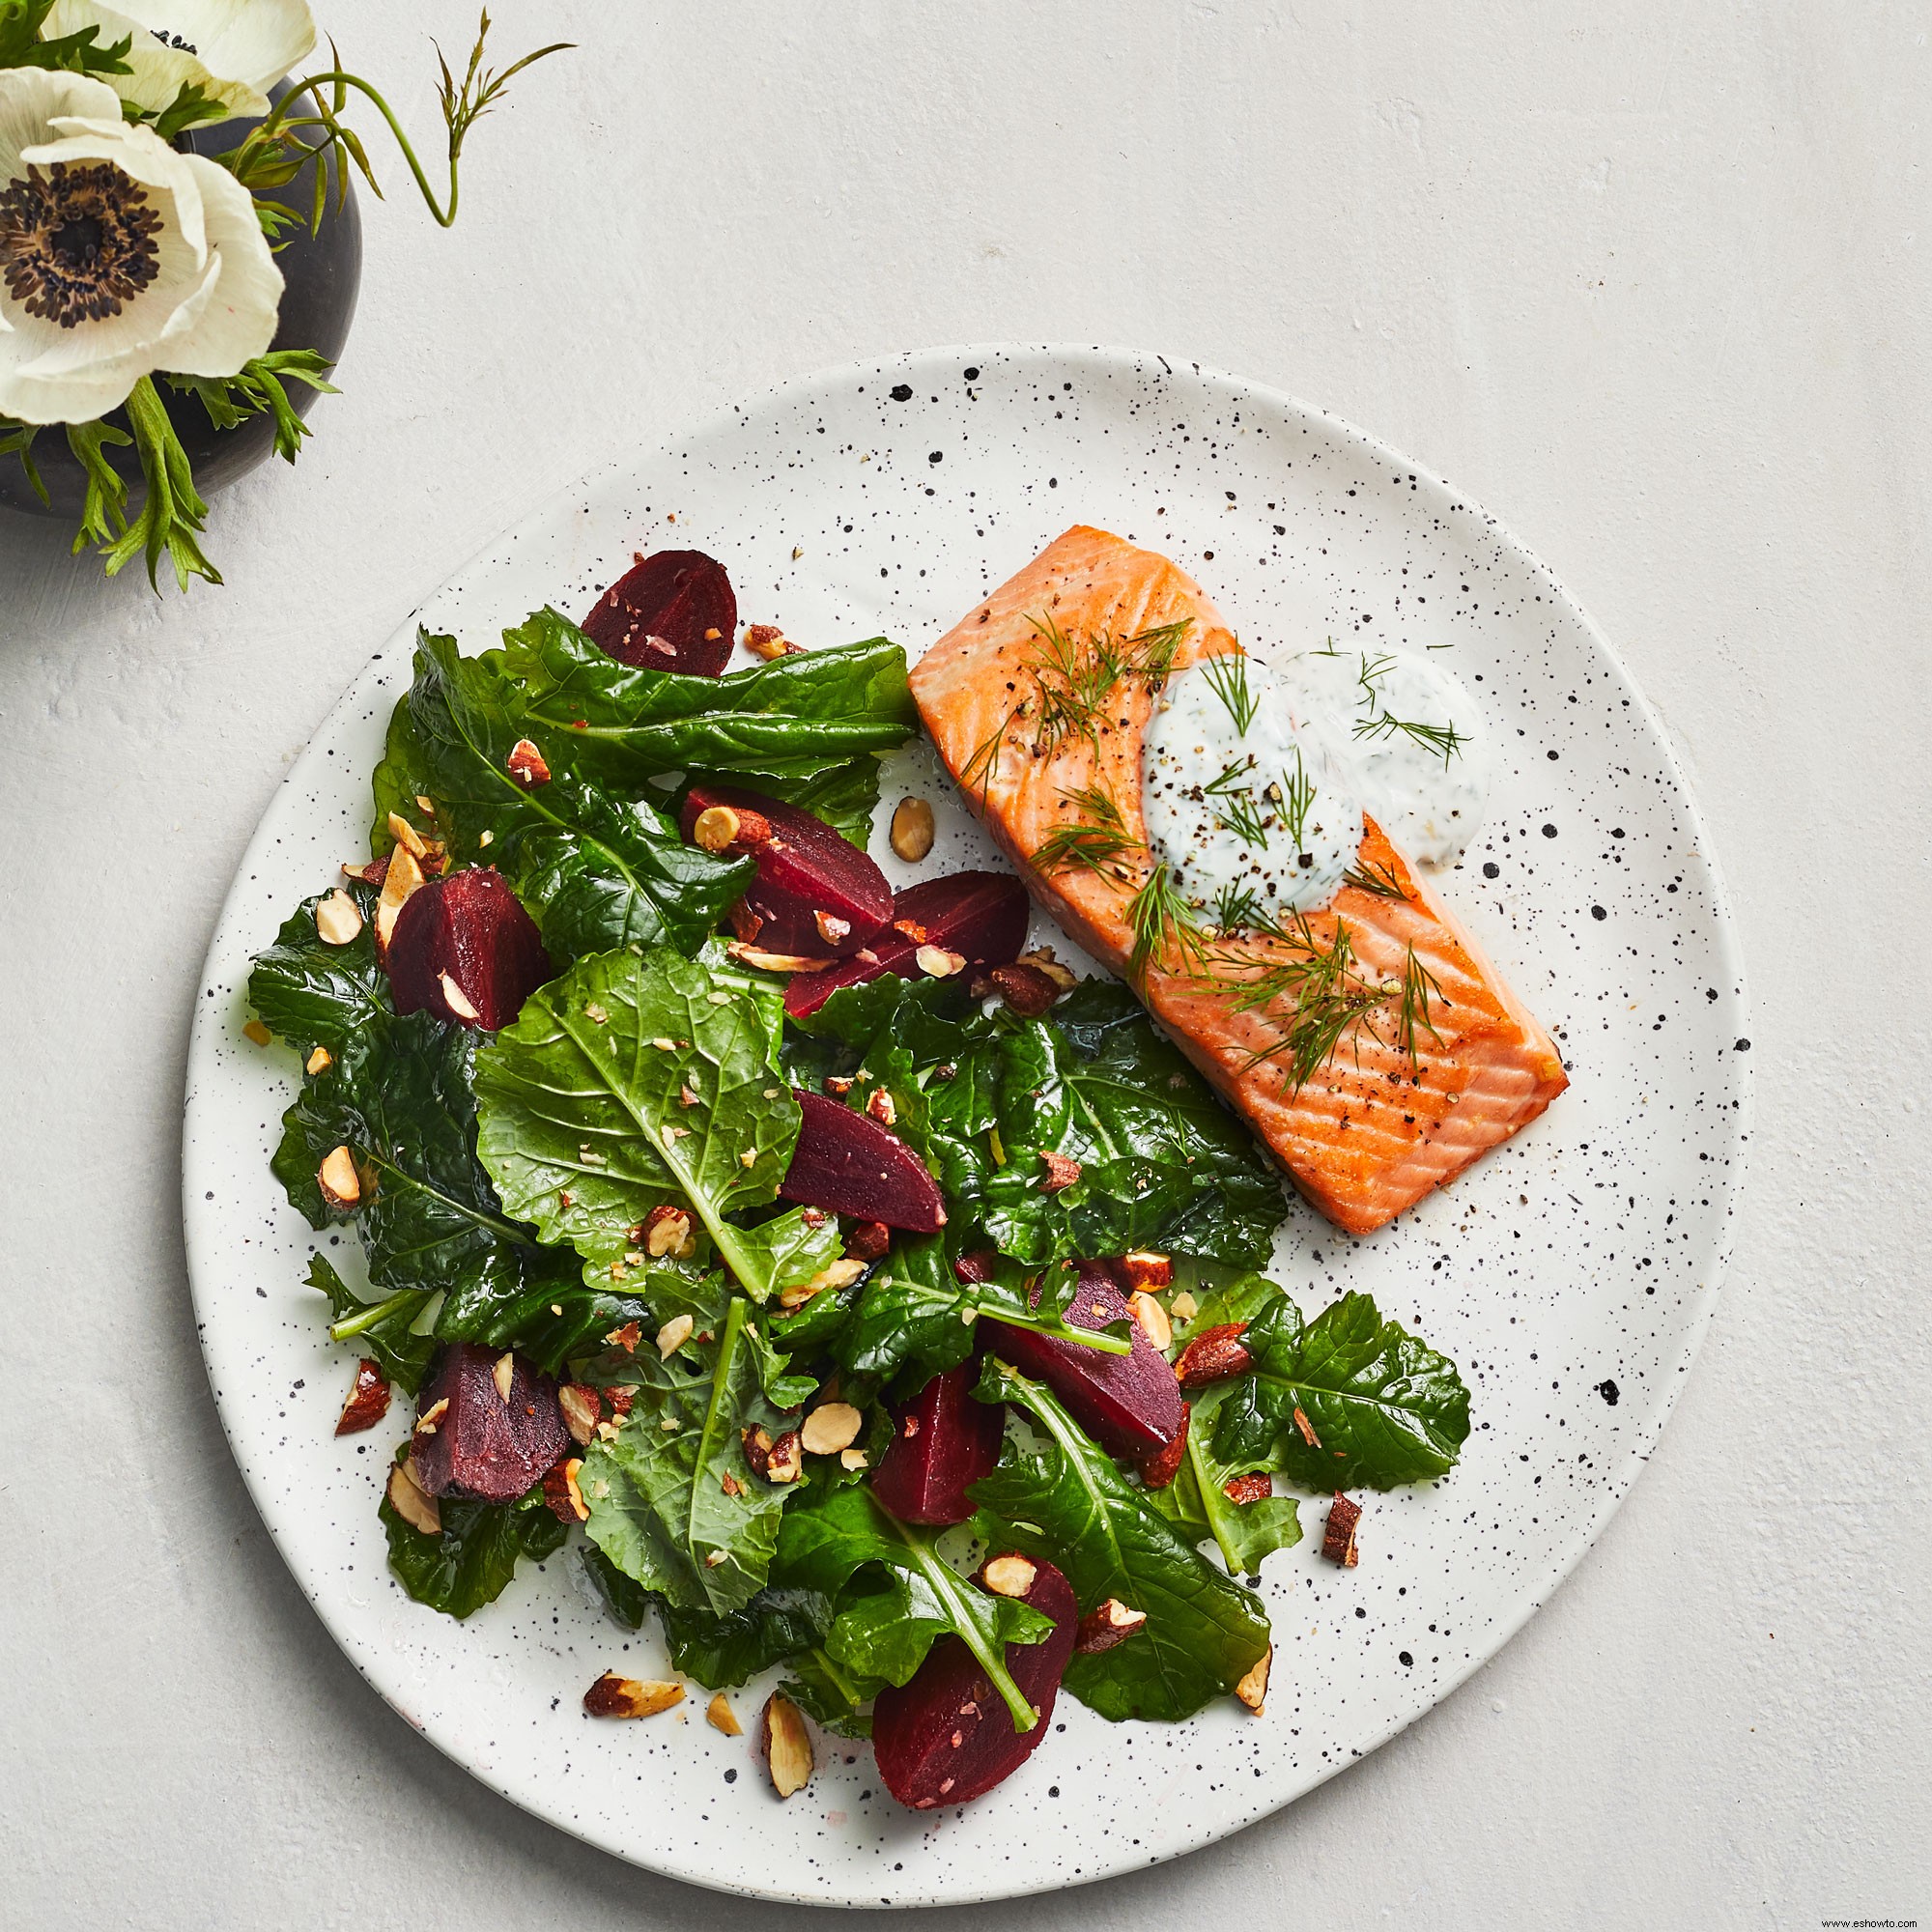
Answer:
x=673 y=1503
x=381 y=1329
x=796 y=718
x=1163 y=1164
x=833 y=1533
x=312 y=994
x=398 y=1096
x=914 y=1314
x=586 y=1126
x=596 y=871
x=475 y=1557
x=1197 y=1502
x=1385 y=1407
x=1063 y=1498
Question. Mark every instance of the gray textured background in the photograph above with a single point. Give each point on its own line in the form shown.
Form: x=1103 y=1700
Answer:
x=1648 y=280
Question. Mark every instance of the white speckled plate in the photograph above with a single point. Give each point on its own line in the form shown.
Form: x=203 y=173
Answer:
x=1571 y=1273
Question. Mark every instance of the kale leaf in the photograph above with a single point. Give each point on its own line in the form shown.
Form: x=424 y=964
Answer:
x=638 y=1080
x=674 y=1502
x=469 y=1564
x=1384 y=1406
x=312 y=994
x=886 y=1625
x=1163 y=1164
x=1198 y=1504
x=1062 y=1497
x=596 y=870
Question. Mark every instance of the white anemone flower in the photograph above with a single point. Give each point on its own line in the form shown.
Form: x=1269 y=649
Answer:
x=233 y=50
x=117 y=255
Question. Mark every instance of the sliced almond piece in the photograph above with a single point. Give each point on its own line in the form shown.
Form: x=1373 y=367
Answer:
x=937 y=963
x=721 y=1716
x=427 y=1421
x=882 y=1107
x=841 y=1273
x=341 y=1185
x=409 y=1502
x=407 y=836
x=338 y=919
x=1184 y=1306
x=404 y=877
x=1151 y=1319
x=673 y=1335
x=831 y=1426
x=318 y=1062
x=503 y=1372
x=581 y=1412
x=368 y=1400
x=1145 y=1268
x=758 y=958
x=669 y=1231
x=1252 y=1689
x=831 y=929
x=456 y=999
x=786 y=1745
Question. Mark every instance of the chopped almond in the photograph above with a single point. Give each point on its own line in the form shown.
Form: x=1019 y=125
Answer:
x=1026 y=989
x=1251 y=1488
x=721 y=1716
x=527 y=764
x=403 y=877
x=669 y=1231
x=1009 y=1576
x=673 y=1335
x=830 y=928
x=1145 y=1268
x=768 y=642
x=1252 y=1689
x=841 y=1273
x=503 y=1372
x=341 y=1185
x=581 y=1412
x=882 y=1107
x=831 y=1426
x=368 y=1400
x=562 y=1494
x=1106 y=1624
x=318 y=1062
x=410 y=1501
x=407 y=836
x=1062 y=1172
x=1151 y=1320
x=1214 y=1355
x=786 y=1745
x=254 y=1030
x=937 y=963
x=338 y=919
x=869 y=1242
x=614 y=1696
x=1307 y=1429
x=1338 y=1538
x=427 y=1421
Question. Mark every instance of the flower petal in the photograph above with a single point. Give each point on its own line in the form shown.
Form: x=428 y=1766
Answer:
x=139 y=152
x=235 y=310
x=30 y=96
x=158 y=68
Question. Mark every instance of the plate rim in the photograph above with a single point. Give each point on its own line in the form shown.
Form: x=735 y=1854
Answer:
x=1699 y=1306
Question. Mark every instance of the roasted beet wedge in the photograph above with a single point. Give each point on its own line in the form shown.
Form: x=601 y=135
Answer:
x=849 y=1164
x=947 y=1736
x=817 y=893
x=466 y=951
x=472 y=1437
x=674 y=610
x=1129 y=1403
x=978 y=917
x=942 y=1441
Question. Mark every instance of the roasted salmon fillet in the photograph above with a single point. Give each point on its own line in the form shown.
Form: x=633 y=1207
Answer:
x=1369 y=1044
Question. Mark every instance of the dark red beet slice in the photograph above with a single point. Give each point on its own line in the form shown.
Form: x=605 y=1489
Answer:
x=1130 y=1403
x=817 y=893
x=947 y=1736
x=980 y=916
x=674 y=610
x=477 y=1442
x=942 y=1441
x=849 y=1164
x=471 y=927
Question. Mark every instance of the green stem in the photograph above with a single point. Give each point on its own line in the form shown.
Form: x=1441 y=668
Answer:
x=946 y=1586
x=311 y=83
x=377 y=1312
x=1096 y=1339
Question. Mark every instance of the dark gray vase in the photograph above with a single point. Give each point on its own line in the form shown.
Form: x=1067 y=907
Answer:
x=322 y=273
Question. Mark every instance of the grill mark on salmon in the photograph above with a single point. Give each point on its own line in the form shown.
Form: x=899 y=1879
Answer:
x=1394 y=1111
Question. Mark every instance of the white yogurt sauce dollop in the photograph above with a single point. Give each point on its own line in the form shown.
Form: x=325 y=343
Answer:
x=1246 y=796
x=1411 y=736
x=1254 y=782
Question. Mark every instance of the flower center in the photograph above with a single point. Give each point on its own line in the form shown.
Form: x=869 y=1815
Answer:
x=168 y=40
x=76 y=243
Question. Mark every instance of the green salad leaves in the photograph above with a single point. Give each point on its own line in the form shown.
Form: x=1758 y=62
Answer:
x=596 y=1188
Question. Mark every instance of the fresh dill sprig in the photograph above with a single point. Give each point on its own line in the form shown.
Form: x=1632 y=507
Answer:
x=1237 y=809
x=1330 y=999
x=1297 y=795
x=1441 y=738
x=1380 y=880
x=1419 y=985
x=1227 y=675
x=1092 y=843
x=1238 y=909
x=1163 y=927
x=1153 y=652
x=1075 y=678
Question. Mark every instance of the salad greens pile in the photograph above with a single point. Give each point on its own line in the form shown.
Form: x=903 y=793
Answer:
x=508 y=1180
